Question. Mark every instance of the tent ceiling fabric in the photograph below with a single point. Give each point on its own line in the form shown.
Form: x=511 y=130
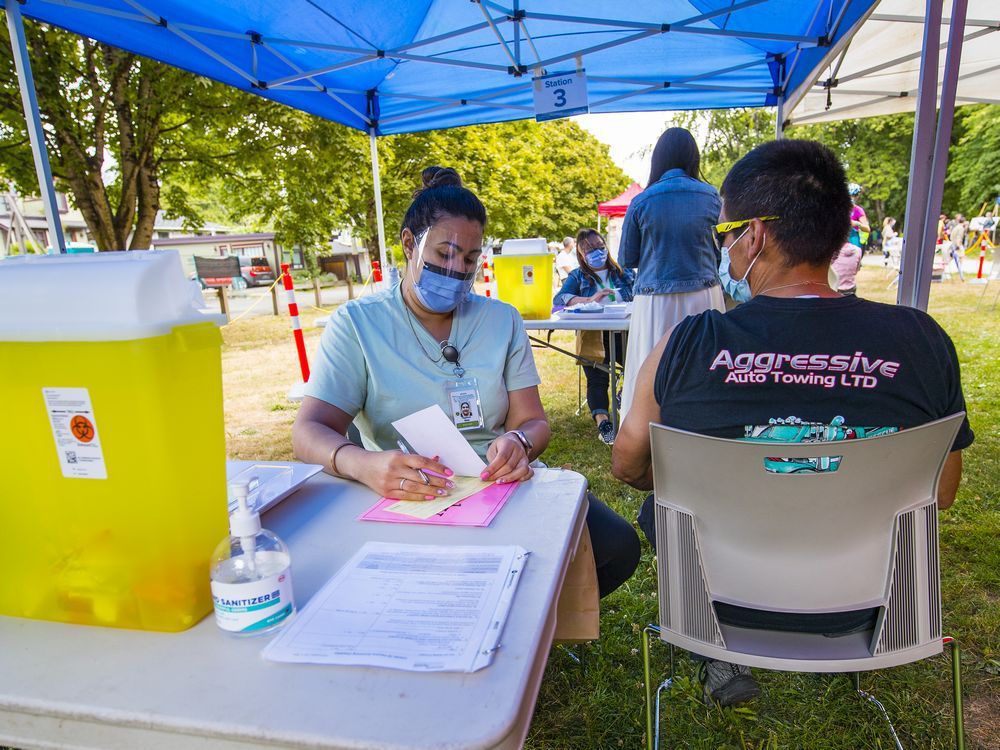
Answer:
x=411 y=65
x=881 y=67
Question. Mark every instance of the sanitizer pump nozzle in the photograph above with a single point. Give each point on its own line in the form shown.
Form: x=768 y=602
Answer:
x=245 y=523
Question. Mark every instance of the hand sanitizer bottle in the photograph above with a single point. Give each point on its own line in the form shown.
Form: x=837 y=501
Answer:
x=251 y=574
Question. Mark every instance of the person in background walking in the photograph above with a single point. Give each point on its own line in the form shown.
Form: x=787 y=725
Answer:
x=860 y=228
x=889 y=234
x=667 y=235
x=956 y=247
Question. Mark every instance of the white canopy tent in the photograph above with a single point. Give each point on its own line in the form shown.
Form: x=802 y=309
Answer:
x=878 y=70
x=894 y=64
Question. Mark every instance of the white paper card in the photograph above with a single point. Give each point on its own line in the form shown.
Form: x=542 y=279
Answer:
x=431 y=433
x=421 y=608
x=74 y=429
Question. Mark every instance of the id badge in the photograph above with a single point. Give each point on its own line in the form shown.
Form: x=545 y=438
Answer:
x=463 y=399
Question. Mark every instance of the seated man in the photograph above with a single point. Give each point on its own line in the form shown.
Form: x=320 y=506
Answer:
x=796 y=350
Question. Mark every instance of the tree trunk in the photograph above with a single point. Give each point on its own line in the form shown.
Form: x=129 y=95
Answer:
x=148 y=195
x=92 y=200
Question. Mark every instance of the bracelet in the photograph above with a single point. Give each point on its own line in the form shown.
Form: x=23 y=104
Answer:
x=333 y=458
x=521 y=438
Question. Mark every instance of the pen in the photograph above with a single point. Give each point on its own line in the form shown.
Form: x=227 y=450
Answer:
x=403 y=448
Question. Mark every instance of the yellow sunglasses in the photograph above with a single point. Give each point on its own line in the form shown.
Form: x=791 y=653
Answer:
x=728 y=226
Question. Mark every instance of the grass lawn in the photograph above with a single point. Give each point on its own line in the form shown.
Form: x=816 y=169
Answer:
x=601 y=706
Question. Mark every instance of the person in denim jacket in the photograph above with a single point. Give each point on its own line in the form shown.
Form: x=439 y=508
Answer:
x=667 y=235
x=598 y=279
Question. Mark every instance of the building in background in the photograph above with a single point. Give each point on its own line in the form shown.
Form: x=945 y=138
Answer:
x=23 y=230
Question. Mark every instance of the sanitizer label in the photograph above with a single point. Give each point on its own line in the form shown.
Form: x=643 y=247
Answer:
x=255 y=605
x=74 y=429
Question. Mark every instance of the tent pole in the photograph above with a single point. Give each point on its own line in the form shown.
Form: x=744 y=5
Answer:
x=942 y=140
x=779 y=120
x=36 y=135
x=915 y=244
x=376 y=179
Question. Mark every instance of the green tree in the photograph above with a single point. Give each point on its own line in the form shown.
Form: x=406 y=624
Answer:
x=974 y=171
x=875 y=152
x=534 y=179
x=725 y=136
x=297 y=181
x=116 y=127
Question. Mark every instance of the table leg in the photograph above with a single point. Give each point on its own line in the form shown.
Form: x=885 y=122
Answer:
x=614 y=378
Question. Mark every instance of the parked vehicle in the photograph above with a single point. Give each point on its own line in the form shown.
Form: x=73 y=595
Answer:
x=255 y=271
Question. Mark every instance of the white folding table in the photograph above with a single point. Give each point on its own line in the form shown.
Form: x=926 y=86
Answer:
x=88 y=687
x=587 y=323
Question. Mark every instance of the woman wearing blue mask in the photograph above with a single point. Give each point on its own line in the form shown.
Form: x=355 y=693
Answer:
x=598 y=279
x=432 y=340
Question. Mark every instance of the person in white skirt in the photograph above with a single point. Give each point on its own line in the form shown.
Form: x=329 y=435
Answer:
x=667 y=235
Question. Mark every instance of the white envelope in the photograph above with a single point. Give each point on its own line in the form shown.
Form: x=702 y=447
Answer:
x=430 y=433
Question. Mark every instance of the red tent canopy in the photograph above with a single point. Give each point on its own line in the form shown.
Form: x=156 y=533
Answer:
x=618 y=206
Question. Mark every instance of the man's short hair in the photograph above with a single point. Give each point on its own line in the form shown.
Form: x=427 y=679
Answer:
x=567 y=241
x=804 y=184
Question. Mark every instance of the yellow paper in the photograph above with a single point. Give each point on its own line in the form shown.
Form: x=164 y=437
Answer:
x=464 y=486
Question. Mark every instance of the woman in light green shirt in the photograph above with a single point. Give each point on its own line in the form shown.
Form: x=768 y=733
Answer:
x=383 y=357
x=424 y=342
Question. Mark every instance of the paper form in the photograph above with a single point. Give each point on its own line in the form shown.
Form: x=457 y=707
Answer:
x=430 y=433
x=420 y=608
x=464 y=487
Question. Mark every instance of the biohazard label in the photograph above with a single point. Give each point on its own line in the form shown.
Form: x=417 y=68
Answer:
x=527 y=275
x=74 y=429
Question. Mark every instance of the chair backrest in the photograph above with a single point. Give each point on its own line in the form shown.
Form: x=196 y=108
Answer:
x=735 y=532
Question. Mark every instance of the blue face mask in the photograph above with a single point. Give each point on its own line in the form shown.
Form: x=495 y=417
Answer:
x=597 y=257
x=738 y=290
x=441 y=290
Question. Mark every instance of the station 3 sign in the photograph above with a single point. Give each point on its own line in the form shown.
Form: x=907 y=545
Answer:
x=560 y=95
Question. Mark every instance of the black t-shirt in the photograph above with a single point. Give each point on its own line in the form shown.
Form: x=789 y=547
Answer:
x=809 y=369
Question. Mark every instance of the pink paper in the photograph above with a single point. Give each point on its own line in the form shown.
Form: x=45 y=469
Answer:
x=475 y=510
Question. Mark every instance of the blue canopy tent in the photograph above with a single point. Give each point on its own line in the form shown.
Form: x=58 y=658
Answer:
x=397 y=66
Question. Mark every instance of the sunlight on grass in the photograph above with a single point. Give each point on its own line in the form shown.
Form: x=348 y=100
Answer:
x=601 y=706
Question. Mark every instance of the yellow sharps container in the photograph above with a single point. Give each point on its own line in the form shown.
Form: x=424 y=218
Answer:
x=113 y=490
x=524 y=277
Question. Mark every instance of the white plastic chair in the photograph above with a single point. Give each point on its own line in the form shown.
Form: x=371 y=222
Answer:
x=862 y=536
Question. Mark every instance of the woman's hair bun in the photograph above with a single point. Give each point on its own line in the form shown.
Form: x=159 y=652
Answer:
x=442 y=195
x=435 y=177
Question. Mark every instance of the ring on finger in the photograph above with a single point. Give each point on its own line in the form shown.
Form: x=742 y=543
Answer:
x=401 y=483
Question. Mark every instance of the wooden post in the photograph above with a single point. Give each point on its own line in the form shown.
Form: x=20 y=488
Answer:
x=224 y=301
x=316 y=292
x=350 y=285
x=274 y=298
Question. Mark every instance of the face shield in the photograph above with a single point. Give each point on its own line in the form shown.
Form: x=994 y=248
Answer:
x=442 y=271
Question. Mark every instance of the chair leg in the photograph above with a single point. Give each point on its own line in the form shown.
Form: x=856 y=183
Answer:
x=579 y=390
x=856 y=679
x=653 y=728
x=956 y=684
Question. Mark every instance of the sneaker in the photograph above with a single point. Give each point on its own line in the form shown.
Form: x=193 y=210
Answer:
x=727 y=684
x=606 y=432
